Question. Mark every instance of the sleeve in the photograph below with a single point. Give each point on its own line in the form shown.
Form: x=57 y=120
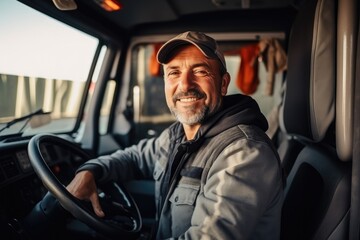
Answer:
x=135 y=162
x=243 y=183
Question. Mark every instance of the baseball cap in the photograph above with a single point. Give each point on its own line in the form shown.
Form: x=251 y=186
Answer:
x=203 y=42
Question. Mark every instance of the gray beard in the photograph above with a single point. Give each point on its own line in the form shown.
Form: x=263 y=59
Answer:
x=191 y=117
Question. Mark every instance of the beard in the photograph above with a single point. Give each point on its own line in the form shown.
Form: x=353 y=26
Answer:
x=193 y=114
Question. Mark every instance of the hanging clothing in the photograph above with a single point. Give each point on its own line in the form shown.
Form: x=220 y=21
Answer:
x=154 y=66
x=247 y=79
x=275 y=60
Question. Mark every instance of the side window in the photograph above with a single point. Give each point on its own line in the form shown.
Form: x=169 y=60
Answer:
x=250 y=75
x=44 y=65
x=151 y=114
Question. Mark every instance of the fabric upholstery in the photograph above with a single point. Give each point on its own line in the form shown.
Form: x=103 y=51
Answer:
x=308 y=108
x=317 y=195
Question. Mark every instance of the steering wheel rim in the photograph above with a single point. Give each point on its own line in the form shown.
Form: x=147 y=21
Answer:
x=67 y=200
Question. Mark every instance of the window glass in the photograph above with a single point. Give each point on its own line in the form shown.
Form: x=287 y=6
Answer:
x=44 y=65
x=151 y=84
x=151 y=113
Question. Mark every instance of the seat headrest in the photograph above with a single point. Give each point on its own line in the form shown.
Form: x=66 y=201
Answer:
x=309 y=105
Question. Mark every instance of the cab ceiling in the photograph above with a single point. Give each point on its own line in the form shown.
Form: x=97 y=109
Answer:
x=136 y=14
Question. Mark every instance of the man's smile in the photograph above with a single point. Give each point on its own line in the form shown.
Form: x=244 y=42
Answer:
x=189 y=99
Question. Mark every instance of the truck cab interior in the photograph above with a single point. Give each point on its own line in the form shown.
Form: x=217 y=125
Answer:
x=79 y=79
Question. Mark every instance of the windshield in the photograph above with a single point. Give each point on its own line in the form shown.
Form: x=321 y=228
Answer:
x=44 y=65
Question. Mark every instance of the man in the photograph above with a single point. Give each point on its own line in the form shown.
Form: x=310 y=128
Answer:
x=217 y=174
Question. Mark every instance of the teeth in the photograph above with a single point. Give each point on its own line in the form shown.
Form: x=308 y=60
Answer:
x=187 y=99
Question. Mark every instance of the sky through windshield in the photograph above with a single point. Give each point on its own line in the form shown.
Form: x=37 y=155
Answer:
x=26 y=33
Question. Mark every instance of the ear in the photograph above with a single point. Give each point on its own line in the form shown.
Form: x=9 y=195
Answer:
x=225 y=83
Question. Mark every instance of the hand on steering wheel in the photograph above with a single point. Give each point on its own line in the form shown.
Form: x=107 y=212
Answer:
x=122 y=217
x=83 y=187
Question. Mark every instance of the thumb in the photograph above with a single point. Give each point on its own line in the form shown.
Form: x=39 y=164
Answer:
x=94 y=199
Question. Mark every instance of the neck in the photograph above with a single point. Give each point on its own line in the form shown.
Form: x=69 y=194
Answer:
x=191 y=130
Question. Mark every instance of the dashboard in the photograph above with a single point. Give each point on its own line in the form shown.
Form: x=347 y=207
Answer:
x=20 y=188
x=17 y=163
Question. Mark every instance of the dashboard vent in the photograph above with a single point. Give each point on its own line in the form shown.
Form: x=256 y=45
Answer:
x=9 y=167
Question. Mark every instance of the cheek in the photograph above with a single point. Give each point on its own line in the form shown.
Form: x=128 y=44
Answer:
x=169 y=92
x=214 y=93
x=212 y=90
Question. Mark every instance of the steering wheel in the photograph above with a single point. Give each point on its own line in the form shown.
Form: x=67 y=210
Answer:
x=122 y=216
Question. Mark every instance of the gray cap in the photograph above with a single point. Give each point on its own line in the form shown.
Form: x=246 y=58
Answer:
x=203 y=42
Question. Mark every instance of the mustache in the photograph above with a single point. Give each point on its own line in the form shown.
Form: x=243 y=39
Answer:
x=193 y=93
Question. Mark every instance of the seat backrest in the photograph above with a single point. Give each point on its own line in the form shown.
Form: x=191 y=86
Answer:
x=317 y=194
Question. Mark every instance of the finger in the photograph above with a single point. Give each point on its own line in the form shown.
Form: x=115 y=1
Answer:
x=96 y=205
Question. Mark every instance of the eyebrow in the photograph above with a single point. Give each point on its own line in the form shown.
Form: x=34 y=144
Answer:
x=203 y=64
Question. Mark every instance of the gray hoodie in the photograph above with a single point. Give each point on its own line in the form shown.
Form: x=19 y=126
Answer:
x=226 y=183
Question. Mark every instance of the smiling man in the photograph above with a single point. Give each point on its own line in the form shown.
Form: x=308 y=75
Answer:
x=194 y=85
x=217 y=174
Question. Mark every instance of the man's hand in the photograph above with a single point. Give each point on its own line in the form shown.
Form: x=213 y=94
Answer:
x=83 y=187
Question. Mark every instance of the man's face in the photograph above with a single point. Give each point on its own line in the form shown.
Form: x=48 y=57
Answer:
x=193 y=85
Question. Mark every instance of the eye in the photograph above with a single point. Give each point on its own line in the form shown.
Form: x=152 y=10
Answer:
x=201 y=72
x=173 y=73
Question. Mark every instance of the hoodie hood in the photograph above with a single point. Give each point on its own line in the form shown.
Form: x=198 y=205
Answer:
x=236 y=109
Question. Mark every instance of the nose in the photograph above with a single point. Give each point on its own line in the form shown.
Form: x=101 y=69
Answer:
x=186 y=82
